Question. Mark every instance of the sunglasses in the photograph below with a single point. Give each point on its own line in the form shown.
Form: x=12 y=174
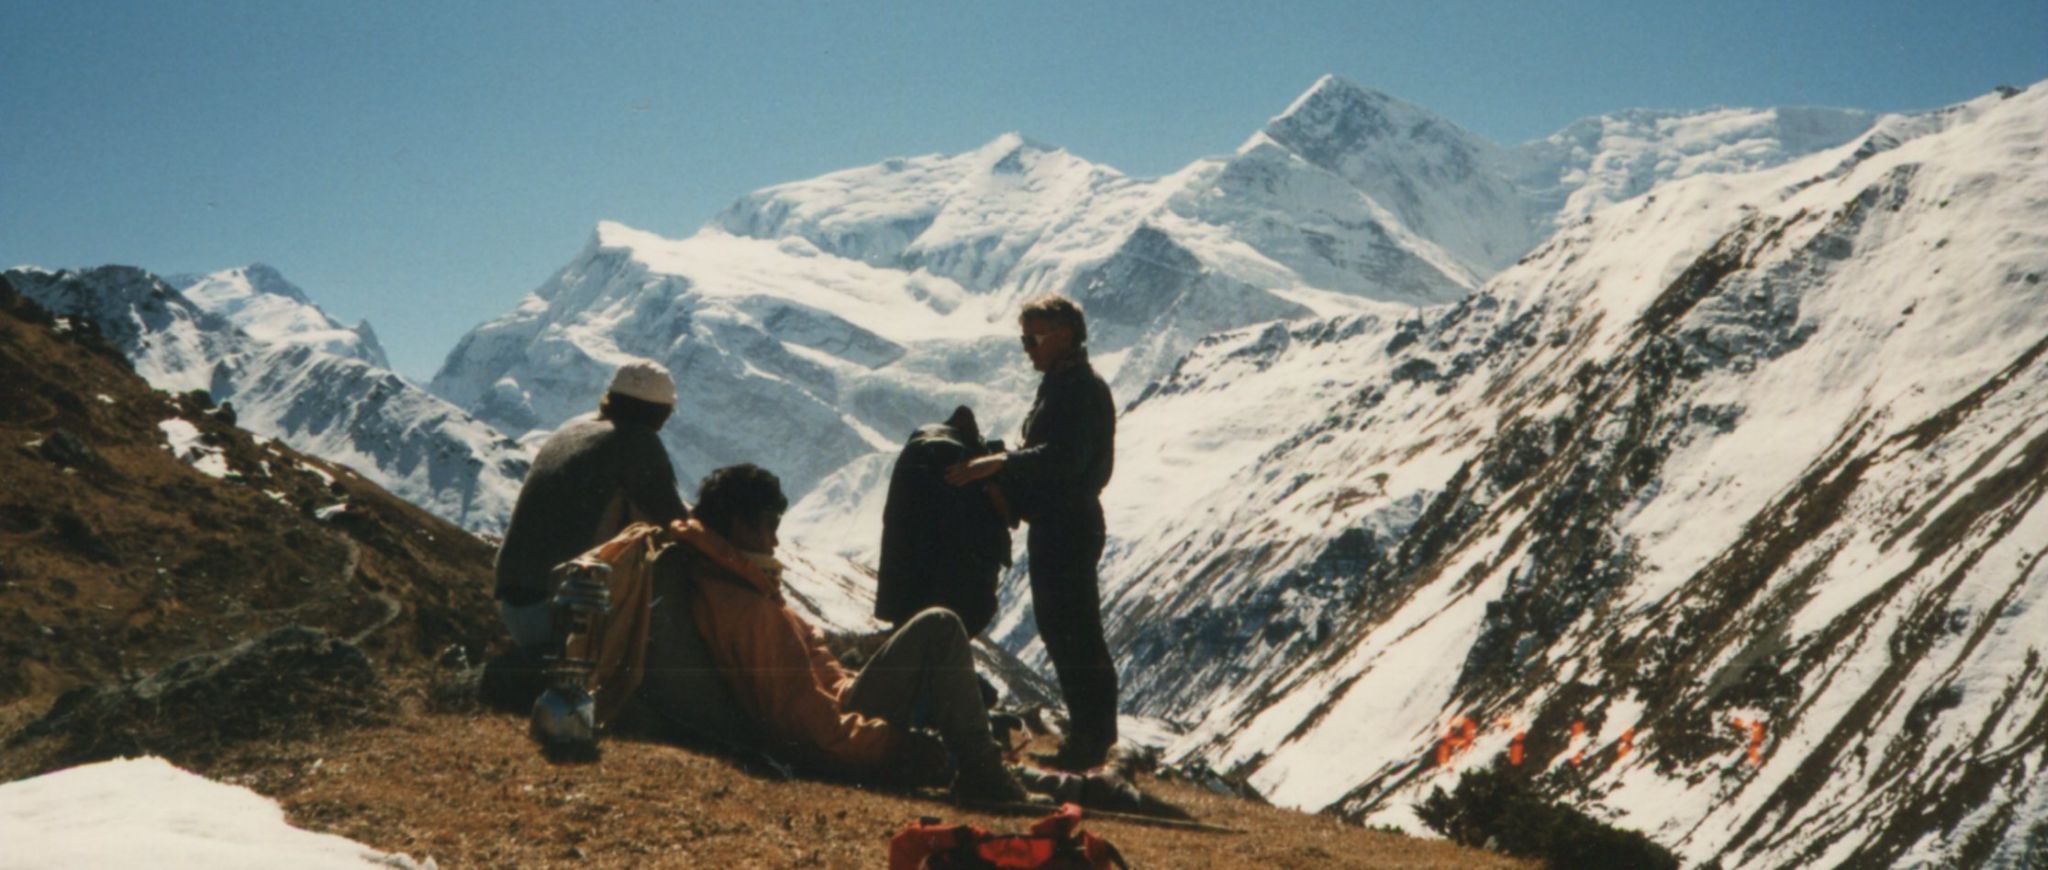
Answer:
x=1033 y=339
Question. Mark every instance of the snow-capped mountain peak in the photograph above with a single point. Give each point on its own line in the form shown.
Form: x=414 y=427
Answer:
x=1336 y=117
x=259 y=301
x=1437 y=179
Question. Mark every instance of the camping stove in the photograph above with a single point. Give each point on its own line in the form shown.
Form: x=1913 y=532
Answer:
x=565 y=716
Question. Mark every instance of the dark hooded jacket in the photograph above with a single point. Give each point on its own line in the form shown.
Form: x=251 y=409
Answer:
x=942 y=545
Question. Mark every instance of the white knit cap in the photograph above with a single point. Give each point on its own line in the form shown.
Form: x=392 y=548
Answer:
x=646 y=381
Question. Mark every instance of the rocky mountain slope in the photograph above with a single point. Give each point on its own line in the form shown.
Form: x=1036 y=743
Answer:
x=815 y=323
x=139 y=528
x=1722 y=511
x=251 y=338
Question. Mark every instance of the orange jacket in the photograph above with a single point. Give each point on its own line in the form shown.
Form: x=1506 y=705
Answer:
x=775 y=662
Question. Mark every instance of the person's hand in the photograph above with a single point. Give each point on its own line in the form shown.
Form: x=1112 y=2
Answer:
x=979 y=468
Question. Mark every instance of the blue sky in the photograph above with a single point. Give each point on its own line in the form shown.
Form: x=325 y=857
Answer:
x=426 y=164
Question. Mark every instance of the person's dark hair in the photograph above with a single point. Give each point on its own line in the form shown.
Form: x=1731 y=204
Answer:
x=1058 y=310
x=620 y=408
x=738 y=492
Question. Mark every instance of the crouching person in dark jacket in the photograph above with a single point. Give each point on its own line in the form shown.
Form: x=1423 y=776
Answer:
x=864 y=725
x=942 y=546
x=1055 y=481
x=593 y=477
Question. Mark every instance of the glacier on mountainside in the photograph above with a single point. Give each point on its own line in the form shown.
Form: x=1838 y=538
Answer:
x=300 y=378
x=1727 y=500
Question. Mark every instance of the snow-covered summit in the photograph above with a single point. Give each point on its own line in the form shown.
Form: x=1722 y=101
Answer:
x=1433 y=176
x=970 y=217
x=259 y=301
x=783 y=355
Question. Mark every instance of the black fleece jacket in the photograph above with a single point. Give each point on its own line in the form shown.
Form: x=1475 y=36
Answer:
x=1069 y=447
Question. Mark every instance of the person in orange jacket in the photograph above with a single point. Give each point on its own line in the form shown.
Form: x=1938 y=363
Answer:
x=864 y=725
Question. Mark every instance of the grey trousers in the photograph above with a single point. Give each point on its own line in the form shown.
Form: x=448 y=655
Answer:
x=924 y=677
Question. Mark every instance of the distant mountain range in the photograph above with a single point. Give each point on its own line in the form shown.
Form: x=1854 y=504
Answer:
x=813 y=324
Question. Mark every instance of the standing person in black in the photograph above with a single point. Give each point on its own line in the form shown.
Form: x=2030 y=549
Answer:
x=1055 y=481
x=592 y=477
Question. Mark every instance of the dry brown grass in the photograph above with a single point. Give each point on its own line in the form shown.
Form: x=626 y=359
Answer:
x=471 y=790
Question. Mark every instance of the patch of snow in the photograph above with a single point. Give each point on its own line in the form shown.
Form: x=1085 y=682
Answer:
x=144 y=812
x=185 y=444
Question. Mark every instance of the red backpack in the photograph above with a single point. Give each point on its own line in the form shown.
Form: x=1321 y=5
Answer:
x=1056 y=842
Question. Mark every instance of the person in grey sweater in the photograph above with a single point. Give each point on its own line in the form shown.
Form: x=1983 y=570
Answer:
x=592 y=477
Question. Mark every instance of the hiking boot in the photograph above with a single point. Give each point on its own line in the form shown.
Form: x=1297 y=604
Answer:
x=1073 y=756
x=1105 y=790
x=984 y=779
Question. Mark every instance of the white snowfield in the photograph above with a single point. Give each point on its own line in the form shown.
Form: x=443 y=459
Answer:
x=144 y=812
x=250 y=337
x=1764 y=448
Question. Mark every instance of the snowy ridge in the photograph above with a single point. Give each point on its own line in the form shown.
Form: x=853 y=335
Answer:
x=171 y=342
x=259 y=301
x=1762 y=447
x=339 y=407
